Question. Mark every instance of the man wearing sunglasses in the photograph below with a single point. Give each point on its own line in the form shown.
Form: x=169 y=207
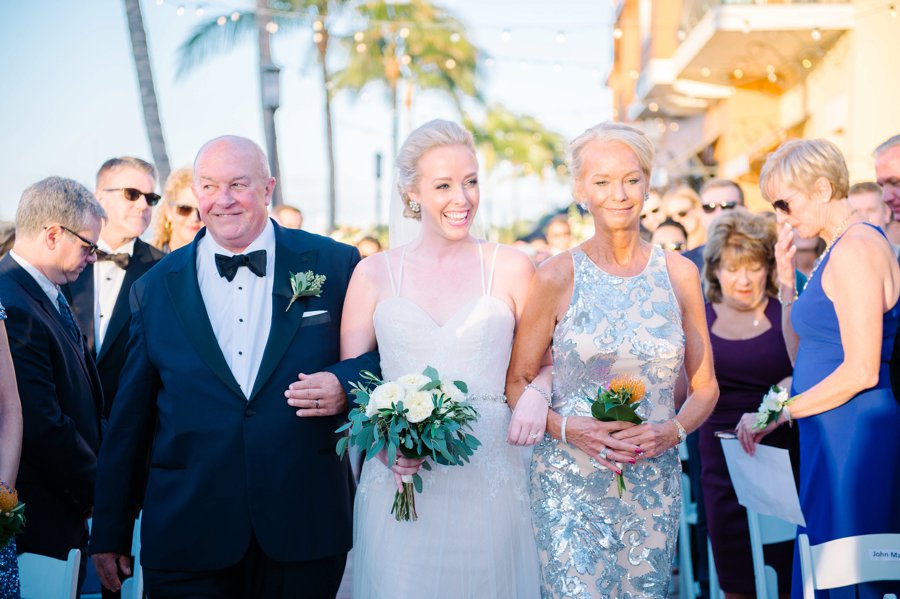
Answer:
x=57 y=226
x=99 y=297
x=716 y=196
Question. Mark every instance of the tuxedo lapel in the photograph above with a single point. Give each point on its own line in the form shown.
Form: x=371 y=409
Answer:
x=288 y=260
x=184 y=292
x=140 y=262
x=81 y=297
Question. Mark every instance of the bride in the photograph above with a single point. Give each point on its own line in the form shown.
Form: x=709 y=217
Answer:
x=450 y=301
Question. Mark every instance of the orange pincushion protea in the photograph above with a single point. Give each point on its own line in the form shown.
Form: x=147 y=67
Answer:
x=626 y=384
x=9 y=498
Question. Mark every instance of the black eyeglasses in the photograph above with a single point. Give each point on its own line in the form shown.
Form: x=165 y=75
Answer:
x=185 y=211
x=133 y=195
x=89 y=245
x=782 y=205
x=710 y=208
x=675 y=246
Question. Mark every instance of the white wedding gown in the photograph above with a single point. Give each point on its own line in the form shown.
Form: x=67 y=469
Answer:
x=473 y=537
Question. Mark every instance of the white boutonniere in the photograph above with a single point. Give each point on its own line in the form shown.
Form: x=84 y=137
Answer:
x=305 y=284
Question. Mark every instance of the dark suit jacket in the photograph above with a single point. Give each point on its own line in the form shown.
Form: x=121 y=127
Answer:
x=223 y=467
x=80 y=294
x=61 y=401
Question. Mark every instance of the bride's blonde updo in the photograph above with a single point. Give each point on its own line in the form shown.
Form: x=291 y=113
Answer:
x=433 y=134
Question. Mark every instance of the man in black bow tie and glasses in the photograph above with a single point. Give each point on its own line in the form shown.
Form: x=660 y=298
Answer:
x=99 y=297
x=243 y=499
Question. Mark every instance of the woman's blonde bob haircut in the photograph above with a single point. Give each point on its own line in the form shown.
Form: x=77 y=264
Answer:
x=178 y=179
x=635 y=139
x=799 y=163
x=738 y=237
x=431 y=135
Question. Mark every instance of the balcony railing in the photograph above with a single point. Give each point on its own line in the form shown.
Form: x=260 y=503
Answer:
x=694 y=10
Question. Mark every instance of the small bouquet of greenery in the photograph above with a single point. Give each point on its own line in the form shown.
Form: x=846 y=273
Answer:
x=420 y=415
x=773 y=403
x=12 y=514
x=619 y=402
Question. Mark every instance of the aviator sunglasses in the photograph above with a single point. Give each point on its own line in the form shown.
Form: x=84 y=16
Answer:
x=710 y=208
x=133 y=195
x=185 y=211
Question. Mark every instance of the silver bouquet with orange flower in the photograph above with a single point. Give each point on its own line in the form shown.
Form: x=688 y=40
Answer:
x=12 y=514
x=618 y=403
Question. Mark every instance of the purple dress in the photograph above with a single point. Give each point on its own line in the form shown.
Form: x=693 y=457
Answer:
x=745 y=369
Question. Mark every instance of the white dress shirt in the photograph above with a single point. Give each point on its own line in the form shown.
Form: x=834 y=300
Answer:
x=46 y=284
x=108 y=280
x=240 y=310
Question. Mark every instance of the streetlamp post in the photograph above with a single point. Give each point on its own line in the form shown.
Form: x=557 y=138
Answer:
x=271 y=92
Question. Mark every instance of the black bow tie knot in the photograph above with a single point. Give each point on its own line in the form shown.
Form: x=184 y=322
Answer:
x=120 y=259
x=229 y=265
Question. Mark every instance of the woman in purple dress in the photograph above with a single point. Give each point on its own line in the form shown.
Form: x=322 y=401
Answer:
x=750 y=356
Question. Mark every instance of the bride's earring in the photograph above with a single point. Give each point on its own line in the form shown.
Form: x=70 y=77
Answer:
x=414 y=206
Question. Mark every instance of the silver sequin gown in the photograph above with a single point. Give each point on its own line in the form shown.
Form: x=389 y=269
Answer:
x=591 y=543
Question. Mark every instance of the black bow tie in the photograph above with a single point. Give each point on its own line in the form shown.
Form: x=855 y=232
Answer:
x=229 y=265
x=120 y=260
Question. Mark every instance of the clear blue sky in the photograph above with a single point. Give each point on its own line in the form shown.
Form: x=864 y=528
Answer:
x=70 y=98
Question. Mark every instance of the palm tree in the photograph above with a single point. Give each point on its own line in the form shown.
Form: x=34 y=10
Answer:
x=520 y=140
x=218 y=35
x=416 y=42
x=148 y=91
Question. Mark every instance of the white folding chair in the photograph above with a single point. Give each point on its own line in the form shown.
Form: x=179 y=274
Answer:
x=43 y=577
x=765 y=530
x=846 y=561
x=715 y=592
x=133 y=587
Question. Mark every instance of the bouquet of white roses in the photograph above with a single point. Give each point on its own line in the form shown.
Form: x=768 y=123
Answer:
x=774 y=401
x=419 y=415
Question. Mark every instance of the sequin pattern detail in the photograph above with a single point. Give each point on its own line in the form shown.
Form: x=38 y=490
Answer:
x=591 y=543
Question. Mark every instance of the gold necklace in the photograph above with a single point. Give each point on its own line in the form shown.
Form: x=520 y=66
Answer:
x=829 y=245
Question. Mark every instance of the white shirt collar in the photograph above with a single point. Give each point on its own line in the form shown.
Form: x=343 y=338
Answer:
x=48 y=286
x=127 y=248
x=265 y=241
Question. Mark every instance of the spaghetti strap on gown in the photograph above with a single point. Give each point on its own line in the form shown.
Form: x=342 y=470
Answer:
x=850 y=455
x=473 y=537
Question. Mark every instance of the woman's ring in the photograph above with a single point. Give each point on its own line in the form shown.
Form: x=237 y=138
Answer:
x=534 y=435
x=317 y=404
x=602 y=454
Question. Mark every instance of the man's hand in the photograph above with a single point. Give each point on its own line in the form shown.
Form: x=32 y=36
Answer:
x=317 y=394
x=108 y=566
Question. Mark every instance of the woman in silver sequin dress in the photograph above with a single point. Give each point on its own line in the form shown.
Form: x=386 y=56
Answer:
x=613 y=306
x=10 y=449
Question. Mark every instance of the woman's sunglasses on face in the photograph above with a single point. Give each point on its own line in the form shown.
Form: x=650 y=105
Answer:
x=185 y=211
x=710 y=208
x=133 y=195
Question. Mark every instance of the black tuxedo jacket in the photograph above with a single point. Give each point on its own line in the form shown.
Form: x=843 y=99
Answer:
x=223 y=467
x=61 y=402
x=80 y=294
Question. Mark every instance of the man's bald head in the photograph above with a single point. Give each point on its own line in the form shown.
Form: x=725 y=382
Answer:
x=233 y=188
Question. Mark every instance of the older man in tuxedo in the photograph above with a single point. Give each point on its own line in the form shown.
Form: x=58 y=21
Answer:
x=243 y=499
x=57 y=226
x=99 y=297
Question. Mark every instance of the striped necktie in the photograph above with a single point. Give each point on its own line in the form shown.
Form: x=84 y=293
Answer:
x=66 y=312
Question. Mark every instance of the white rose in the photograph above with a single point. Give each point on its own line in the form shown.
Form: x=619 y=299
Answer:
x=385 y=396
x=772 y=402
x=413 y=382
x=419 y=404
x=453 y=393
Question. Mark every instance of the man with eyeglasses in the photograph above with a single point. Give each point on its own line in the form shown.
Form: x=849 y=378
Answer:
x=99 y=297
x=716 y=197
x=57 y=225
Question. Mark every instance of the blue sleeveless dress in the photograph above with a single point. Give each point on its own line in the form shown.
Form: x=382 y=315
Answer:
x=849 y=456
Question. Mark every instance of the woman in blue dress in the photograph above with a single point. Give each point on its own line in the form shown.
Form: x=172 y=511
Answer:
x=10 y=449
x=840 y=333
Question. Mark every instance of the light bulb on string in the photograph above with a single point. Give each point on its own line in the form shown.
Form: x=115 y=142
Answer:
x=404 y=32
x=653 y=107
x=738 y=74
x=618 y=33
x=359 y=36
x=200 y=10
x=807 y=63
x=235 y=16
x=560 y=37
x=360 y=48
x=454 y=37
x=745 y=26
x=450 y=64
x=773 y=77
x=405 y=59
x=318 y=25
x=318 y=37
x=221 y=20
x=892 y=10
x=705 y=72
x=681 y=35
x=505 y=35
x=272 y=27
x=816 y=34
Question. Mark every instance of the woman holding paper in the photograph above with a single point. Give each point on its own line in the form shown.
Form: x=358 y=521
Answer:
x=845 y=323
